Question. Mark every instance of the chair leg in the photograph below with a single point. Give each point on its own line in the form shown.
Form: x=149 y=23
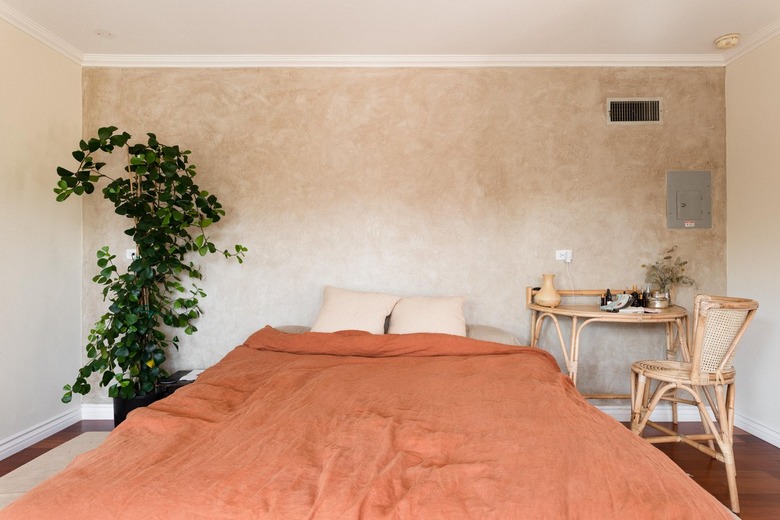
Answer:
x=726 y=420
x=638 y=382
x=644 y=402
x=731 y=476
x=724 y=435
x=703 y=411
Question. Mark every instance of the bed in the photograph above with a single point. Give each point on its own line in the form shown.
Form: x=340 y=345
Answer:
x=351 y=424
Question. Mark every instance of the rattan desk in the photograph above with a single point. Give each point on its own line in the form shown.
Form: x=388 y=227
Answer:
x=675 y=318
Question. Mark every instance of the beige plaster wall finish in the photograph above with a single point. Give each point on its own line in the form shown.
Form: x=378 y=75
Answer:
x=424 y=182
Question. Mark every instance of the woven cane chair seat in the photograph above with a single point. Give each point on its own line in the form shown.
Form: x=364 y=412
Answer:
x=665 y=370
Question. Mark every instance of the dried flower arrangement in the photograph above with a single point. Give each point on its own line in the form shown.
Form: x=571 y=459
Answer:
x=668 y=272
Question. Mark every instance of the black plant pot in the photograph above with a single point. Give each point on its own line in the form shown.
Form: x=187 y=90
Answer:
x=122 y=407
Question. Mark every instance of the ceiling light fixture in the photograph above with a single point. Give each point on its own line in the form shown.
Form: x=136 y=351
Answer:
x=727 y=41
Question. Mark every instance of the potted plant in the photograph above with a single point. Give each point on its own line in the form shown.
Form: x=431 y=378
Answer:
x=668 y=272
x=156 y=294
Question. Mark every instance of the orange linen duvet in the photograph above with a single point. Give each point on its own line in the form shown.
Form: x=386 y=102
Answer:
x=352 y=425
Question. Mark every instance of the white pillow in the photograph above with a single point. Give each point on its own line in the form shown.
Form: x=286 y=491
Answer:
x=488 y=333
x=343 y=309
x=427 y=314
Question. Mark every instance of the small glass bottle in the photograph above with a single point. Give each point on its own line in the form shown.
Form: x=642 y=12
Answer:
x=645 y=295
x=635 y=295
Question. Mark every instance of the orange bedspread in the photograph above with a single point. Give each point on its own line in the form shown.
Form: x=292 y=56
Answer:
x=351 y=425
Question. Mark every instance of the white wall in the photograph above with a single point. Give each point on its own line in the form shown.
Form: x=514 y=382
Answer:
x=753 y=185
x=40 y=251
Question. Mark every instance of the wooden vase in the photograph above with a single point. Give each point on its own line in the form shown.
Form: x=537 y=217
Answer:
x=547 y=295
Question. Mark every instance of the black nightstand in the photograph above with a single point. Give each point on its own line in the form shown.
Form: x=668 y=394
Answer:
x=173 y=382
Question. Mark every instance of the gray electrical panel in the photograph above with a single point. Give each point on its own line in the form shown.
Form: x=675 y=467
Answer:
x=688 y=199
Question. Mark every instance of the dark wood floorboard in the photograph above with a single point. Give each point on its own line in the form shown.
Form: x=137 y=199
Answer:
x=758 y=472
x=758 y=467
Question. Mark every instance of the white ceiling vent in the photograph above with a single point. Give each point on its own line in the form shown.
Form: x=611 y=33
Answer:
x=634 y=111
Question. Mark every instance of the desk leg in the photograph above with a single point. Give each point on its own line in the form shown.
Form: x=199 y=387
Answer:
x=671 y=344
x=569 y=355
x=677 y=341
x=682 y=337
x=571 y=360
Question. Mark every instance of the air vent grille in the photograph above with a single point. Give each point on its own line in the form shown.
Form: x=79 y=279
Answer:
x=632 y=111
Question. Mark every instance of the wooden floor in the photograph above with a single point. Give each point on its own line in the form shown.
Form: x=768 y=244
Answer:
x=758 y=472
x=758 y=467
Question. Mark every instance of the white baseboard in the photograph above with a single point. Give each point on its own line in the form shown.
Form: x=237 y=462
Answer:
x=759 y=430
x=97 y=412
x=663 y=413
x=37 y=433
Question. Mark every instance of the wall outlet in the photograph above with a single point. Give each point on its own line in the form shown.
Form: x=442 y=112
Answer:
x=130 y=254
x=563 y=254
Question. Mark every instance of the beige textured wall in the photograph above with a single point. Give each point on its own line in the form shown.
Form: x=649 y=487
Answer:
x=753 y=96
x=40 y=255
x=424 y=181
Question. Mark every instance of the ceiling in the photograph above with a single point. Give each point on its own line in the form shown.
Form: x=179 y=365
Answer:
x=344 y=32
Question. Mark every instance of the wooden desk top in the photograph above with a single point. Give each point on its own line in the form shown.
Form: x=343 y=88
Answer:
x=592 y=311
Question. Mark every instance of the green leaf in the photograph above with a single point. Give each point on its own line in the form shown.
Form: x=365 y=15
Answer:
x=62 y=172
x=105 y=133
x=120 y=140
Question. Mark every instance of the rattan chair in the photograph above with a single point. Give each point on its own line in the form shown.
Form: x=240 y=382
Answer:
x=705 y=376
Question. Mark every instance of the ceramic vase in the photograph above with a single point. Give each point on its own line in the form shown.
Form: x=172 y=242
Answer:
x=547 y=295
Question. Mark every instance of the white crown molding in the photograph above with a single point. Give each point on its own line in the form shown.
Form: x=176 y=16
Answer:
x=749 y=44
x=28 y=26
x=508 y=60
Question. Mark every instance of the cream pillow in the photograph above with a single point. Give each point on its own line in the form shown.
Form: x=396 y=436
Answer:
x=343 y=309
x=428 y=314
x=488 y=333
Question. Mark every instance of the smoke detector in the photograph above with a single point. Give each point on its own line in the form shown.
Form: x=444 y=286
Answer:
x=727 y=41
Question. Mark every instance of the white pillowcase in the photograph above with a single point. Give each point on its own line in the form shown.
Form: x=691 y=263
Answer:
x=428 y=314
x=343 y=309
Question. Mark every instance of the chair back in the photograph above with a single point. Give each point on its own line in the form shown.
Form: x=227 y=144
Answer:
x=718 y=324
